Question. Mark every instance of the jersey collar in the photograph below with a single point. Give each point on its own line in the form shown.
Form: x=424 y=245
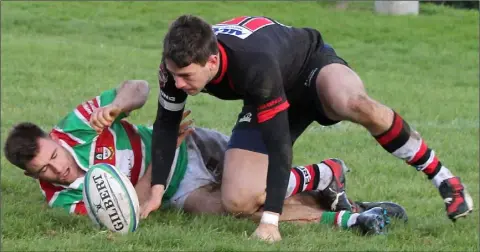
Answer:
x=224 y=64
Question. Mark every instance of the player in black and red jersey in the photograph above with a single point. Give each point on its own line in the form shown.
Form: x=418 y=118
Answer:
x=287 y=78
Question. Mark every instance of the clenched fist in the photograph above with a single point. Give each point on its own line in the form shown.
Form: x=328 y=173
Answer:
x=104 y=117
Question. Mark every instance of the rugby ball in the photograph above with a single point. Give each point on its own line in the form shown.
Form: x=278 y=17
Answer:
x=110 y=199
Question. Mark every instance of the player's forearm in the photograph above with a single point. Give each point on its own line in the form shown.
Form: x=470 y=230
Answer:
x=164 y=140
x=131 y=95
x=143 y=186
x=279 y=149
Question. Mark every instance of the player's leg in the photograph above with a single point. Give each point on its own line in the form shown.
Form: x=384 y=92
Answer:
x=243 y=181
x=371 y=221
x=311 y=199
x=204 y=200
x=246 y=165
x=326 y=177
x=207 y=200
x=332 y=171
x=342 y=96
x=194 y=190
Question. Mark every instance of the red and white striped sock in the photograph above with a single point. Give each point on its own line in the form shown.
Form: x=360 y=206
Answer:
x=408 y=145
x=308 y=178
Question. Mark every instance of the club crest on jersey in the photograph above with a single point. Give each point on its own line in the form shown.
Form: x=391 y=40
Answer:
x=103 y=153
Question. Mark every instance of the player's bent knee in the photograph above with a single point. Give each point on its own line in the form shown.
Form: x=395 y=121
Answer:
x=240 y=205
x=244 y=181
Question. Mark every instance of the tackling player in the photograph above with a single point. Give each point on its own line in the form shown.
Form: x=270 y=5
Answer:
x=287 y=77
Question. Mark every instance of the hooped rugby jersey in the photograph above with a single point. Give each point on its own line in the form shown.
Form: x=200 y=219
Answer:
x=124 y=145
x=260 y=60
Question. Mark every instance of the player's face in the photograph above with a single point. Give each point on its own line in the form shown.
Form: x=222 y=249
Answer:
x=53 y=163
x=193 y=78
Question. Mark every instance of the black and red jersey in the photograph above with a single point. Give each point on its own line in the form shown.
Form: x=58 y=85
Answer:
x=261 y=60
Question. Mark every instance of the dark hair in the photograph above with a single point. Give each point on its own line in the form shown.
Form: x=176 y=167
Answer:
x=21 y=145
x=189 y=40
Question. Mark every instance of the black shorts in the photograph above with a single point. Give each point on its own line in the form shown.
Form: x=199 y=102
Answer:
x=305 y=107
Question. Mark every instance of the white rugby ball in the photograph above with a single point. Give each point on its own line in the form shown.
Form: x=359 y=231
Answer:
x=110 y=199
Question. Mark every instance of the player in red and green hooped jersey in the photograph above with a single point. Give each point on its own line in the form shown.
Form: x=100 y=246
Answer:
x=122 y=144
x=96 y=132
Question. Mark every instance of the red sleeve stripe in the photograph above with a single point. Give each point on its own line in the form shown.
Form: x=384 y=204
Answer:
x=271 y=112
x=86 y=108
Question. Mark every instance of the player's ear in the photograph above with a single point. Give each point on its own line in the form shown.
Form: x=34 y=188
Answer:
x=213 y=60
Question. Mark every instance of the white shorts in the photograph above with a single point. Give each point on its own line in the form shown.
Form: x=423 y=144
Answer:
x=206 y=149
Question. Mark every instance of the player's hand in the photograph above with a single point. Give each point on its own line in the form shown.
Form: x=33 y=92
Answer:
x=154 y=201
x=184 y=130
x=104 y=117
x=267 y=232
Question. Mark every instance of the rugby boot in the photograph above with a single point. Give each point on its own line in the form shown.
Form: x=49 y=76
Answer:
x=334 y=196
x=394 y=210
x=372 y=222
x=458 y=201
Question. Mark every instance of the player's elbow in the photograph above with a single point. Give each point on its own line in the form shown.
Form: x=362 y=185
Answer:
x=138 y=88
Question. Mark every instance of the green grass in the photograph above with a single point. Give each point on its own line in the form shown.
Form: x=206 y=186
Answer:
x=56 y=54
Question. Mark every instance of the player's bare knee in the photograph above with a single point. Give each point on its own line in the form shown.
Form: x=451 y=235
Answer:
x=240 y=205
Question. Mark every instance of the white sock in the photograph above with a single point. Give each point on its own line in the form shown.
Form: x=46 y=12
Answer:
x=353 y=219
x=326 y=176
x=442 y=175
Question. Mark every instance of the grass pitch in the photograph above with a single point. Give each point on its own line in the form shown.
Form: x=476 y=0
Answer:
x=57 y=54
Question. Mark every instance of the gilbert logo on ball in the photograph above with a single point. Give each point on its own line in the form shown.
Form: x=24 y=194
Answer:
x=110 y=199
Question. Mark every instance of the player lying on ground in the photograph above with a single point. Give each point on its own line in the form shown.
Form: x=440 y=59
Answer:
x=96 y=132
x=287 y=77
